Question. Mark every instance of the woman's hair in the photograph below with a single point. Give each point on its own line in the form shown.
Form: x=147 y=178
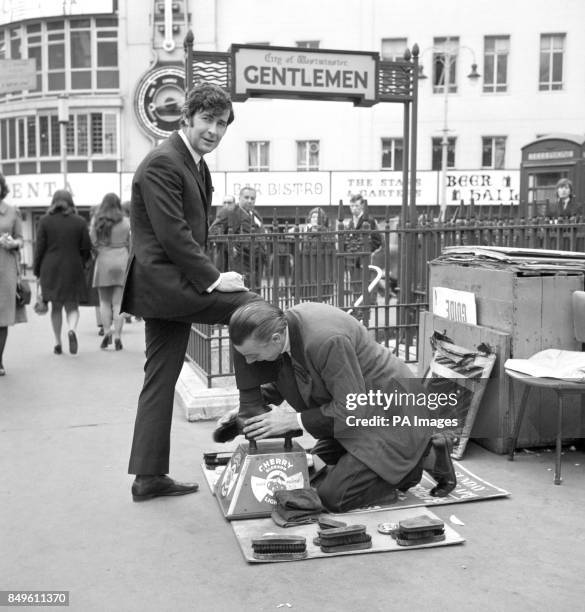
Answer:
x=322 y=218
x=258 y=320
x=565 y=182
x=108 y=214
x=62 y=202
x=3 y=187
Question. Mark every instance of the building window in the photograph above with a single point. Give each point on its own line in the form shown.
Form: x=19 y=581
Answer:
x=445 y=64
x=393 y=48
x=258 y=155
x=552 y=48
x=89 y=136
x=77 y=54
x=307 y=155
x=437 y=156
x=308 y=44
x=493 y=152
x=495 y=63
x=392 y=153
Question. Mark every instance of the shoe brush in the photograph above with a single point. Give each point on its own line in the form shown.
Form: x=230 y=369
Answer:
x=273 y=547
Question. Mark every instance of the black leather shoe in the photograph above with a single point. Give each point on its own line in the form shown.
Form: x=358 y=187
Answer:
x=443 y=471
x=227 y=429
x=72 y=342
x=148 y=487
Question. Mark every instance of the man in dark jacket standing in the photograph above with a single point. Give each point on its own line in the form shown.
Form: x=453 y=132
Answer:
x=170 y=281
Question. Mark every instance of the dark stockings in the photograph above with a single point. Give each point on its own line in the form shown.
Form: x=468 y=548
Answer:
x=3 y=336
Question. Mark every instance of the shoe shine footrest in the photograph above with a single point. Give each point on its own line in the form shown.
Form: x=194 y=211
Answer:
x=246 y=487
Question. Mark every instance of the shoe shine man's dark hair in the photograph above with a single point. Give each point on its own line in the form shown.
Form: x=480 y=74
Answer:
x=258 y=319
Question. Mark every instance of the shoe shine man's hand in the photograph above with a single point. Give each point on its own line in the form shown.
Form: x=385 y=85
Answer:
x=273 y=423
x=230 y=282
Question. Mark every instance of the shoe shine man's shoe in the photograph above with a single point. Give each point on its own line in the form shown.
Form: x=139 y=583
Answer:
x=148 y=487
x=443 y=471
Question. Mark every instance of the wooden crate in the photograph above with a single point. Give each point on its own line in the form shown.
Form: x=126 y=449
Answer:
x=535 y=310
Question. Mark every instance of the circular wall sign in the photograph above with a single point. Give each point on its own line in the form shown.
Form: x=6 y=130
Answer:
x=159 y=99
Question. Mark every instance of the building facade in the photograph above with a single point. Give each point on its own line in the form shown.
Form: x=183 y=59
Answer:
x=102 y=81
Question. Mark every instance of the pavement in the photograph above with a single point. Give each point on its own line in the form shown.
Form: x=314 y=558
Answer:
x=68 y=521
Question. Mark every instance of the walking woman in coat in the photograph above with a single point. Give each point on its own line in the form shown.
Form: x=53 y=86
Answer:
x=110 y=236
x=10 y=243
x=62 y=248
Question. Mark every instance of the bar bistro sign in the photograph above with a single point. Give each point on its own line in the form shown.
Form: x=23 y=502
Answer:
x=290 y=72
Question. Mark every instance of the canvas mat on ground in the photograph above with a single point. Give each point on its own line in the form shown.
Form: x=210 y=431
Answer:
x=469 y=488
x=249 y=529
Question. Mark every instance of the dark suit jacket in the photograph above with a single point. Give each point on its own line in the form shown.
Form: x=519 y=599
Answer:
x=333 y=356
x=237 y=221
x=168 y=271
x=568 y=208
x=357 y=239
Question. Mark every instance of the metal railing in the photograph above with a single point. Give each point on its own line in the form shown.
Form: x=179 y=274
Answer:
x=290 y=266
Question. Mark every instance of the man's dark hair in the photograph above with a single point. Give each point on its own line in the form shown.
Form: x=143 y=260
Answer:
x=257 y=319
x=358 y=197
x=207 y=97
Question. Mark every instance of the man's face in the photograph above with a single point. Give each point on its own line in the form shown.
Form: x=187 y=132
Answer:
x=229 y=203
x=256 y=350
x=206 y=129
x=356 y=208
x=248 y=199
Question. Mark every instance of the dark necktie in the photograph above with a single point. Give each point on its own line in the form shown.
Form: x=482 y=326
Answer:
x=202 y=174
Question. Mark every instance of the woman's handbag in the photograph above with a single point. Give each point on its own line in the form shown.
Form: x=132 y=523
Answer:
x=40 y=307
x=23 y=292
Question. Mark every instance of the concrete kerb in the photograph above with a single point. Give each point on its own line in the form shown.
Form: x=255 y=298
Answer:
x=200 y=403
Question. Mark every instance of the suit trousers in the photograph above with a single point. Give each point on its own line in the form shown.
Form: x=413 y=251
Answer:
x=166 y=344
x=347 y=483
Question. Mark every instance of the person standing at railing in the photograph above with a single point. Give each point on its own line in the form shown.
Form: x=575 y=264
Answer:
x=219 y=227
x=171 y=282
x=360 y=242
x=249 y=254
x=565 y=205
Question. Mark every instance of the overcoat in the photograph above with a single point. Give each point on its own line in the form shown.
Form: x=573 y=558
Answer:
x=334 y=357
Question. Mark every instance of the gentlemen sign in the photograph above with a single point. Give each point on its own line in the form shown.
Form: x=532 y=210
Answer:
x=286 y=72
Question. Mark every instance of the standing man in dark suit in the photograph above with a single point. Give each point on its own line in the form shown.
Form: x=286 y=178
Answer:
x=333 y=374
x=249 y=256
x=354 y=243
x=170 y=281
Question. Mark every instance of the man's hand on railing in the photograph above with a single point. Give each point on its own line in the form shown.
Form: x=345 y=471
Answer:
x=230 y=282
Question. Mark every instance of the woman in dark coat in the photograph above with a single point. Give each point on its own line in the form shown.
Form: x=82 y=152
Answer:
x=63 y=246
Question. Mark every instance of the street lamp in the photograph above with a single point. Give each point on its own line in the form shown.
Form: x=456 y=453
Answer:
x=63 y=117
x=446 y=57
